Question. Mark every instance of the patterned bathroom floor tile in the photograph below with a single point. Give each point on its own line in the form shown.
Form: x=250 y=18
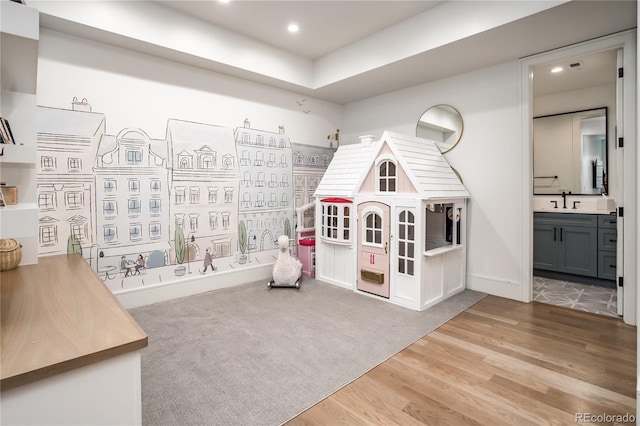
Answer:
x=584 y=297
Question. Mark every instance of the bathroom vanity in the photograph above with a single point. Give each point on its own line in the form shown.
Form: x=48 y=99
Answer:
x=575 y=243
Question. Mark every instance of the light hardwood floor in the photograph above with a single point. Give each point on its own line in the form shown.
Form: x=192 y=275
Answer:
x=500 y=362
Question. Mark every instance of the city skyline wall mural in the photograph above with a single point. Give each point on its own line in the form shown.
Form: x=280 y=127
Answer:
x=144 y=210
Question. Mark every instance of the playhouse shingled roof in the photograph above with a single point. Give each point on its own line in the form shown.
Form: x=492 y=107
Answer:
x=347 y=169
x=422 y=161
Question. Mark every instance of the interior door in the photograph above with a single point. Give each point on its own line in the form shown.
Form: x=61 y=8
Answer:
x=373 y=248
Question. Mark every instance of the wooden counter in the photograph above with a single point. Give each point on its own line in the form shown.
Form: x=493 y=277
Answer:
x=57 y=316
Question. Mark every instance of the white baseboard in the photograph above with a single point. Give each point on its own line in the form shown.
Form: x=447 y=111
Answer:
x=495 y=286
x=336 y=283
x=161 y=292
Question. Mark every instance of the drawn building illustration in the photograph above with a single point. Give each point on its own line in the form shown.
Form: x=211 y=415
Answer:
x=67 y=145
x=132 y=208
x=204 y=187
x=309 y=164
x=266 y=193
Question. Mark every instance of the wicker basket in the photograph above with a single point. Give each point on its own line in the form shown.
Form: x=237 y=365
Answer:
x=10 y=254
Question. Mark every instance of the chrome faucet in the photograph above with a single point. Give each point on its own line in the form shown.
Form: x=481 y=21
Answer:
x=564 y=199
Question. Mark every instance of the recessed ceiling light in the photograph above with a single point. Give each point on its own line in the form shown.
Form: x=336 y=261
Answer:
x=293 y=28
x=224 y=1
x=556 y=70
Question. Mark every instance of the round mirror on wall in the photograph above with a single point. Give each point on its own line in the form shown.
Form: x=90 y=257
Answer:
x=442 y=124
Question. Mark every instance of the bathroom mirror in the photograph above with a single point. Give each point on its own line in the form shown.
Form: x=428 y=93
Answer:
x=442 y=124
x=570 y=153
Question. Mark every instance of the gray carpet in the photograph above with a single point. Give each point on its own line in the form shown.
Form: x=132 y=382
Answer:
x=249 y=355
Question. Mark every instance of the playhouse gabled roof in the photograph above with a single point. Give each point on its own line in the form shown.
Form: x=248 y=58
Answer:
x=347 y=169
x=426 y=167
x=421 y=160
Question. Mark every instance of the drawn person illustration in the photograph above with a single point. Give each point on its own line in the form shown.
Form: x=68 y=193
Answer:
x=123 y=266
x=208 y=261
x=139 y=264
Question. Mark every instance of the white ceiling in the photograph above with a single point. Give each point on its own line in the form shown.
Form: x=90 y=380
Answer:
x=596 y=69
x=345 y=50
x=325 y=26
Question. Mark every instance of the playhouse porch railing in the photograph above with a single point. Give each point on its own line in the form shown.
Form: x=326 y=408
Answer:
x=303 y=231
x=305 y=238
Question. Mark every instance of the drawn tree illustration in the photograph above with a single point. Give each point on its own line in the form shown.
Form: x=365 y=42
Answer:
x=242 y=237
x=287 y=228
x=73 y=245
x=180 y=246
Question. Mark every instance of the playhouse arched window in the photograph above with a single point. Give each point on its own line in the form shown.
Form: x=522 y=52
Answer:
x=387 y=176
x=373 y=229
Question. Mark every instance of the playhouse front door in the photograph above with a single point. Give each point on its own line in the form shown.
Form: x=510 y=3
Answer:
x=373 y=248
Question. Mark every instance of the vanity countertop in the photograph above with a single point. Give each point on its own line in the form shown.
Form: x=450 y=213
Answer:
x=572 y=211
x=57 y=316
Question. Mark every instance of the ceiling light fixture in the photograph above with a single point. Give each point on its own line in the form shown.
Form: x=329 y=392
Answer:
x=224 y=1
x=293 y=28
x=557 y=70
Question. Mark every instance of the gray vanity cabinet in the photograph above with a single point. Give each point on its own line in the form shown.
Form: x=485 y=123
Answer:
x=545 y=246
x=566 y=243
x=607 y=244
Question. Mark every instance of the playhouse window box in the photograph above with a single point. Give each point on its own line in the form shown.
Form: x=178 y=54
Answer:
x=335 y=221
x=442 y=229
x=442 y=250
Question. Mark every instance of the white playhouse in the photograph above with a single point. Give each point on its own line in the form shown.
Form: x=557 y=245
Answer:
x=390 y=221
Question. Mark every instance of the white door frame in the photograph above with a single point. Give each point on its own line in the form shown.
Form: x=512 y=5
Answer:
x=620 y=154
x=628 y=198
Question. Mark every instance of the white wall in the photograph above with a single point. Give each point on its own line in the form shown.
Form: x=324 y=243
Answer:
x=135 y=90
x=488 y=158
x=142 y=91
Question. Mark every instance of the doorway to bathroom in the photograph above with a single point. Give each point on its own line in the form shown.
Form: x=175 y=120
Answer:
x=577 y=251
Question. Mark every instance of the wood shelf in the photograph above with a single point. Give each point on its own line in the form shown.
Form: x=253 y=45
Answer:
x=17 y=154
x=19 y=39
x=19 y=35
x=21 y=216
